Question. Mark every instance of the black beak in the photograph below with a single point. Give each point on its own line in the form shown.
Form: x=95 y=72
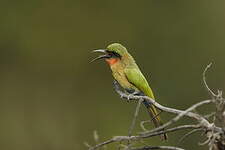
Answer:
x=101 y=56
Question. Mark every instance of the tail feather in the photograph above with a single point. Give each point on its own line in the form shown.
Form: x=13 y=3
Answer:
x=155 y=117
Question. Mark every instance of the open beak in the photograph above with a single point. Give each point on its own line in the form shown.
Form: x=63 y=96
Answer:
x=101 y=56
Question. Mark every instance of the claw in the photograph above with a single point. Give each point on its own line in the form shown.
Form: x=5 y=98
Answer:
x=130 y=96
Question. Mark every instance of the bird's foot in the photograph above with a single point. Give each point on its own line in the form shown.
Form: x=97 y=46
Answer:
x=130 y=96
x=121 y=96
x=136 y=93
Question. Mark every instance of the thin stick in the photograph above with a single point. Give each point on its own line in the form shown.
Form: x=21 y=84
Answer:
x=129 y=138
x=188 y=134
x=183 y=113
x=135 y=117
x=157 y=147
x=182 y=127
x=215 y=134
x=211 y=93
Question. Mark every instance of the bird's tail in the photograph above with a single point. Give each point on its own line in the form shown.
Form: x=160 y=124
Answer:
x=155 y=117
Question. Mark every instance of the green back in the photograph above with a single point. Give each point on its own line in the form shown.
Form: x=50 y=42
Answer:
x=135 y=77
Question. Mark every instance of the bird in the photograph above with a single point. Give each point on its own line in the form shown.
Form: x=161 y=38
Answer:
x=126 y=72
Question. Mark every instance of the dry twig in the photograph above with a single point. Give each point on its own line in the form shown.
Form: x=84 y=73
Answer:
x=215 y=133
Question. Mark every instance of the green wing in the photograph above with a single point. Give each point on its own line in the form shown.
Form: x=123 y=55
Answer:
x=135 y=77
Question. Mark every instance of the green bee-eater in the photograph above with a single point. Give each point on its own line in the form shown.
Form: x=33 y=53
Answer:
x=126 y=72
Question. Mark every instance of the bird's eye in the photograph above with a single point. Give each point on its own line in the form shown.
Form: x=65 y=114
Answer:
x=114 y=54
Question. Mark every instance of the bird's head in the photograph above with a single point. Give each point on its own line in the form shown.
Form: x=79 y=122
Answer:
x=112 y=54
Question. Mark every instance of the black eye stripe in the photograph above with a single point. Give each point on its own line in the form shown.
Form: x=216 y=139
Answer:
x=114 y=54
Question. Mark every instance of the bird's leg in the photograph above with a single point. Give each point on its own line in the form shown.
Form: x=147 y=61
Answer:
x=132 y=93
x=126 y=92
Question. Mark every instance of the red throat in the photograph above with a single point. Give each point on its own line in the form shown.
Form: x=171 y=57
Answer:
x=112 y=61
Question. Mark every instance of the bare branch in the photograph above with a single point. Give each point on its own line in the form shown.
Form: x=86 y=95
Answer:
x=189 y=133
x=157 y=147
x=211 y=93
x=142 y=124
x=182 y=127
x=102 y=144
x=135 y=117
x=95 y=135
x=214 y=133
x=203 y=122
x=138 y=137
x=87 y=145
x=161 y=107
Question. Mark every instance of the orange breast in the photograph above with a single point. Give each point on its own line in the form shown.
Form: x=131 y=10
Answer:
x=112 y=61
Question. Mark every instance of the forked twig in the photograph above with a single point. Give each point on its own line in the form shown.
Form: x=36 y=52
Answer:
x=215 y=134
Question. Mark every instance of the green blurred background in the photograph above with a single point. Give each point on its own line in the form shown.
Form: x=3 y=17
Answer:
x=52 y=98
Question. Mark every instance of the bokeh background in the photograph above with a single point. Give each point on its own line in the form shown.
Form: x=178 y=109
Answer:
x=52 y=98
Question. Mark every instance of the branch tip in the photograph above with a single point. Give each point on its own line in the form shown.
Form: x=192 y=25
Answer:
x=211 y=93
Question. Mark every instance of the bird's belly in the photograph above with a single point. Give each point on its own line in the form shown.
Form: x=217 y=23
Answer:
x=122 y=80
